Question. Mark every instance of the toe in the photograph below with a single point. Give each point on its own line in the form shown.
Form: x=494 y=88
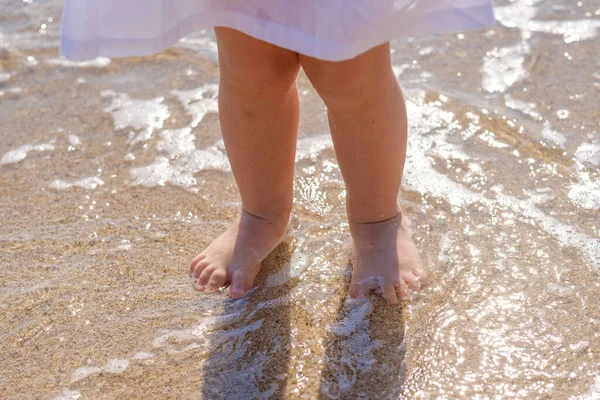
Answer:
x=402 y=290
x=413 y=282
x=421 y=275
x=195 y=262
x=200 y=267
x=390 y=295
x=203 y=278
x=240 y=284
x=197 y=286
x=217 y=280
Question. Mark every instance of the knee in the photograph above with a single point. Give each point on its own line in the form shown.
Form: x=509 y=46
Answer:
x=260 y=77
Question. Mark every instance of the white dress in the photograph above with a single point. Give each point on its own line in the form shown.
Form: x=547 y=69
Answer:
x=332 y=30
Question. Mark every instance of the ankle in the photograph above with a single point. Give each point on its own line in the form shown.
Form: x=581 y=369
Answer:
x=367 y=236
x=366 y=217
x=275 y=217
x=392 y=220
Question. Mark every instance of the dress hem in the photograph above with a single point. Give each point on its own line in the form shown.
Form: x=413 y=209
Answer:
x=276 y=34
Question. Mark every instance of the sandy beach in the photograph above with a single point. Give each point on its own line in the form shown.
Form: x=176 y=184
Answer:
x=113 y=176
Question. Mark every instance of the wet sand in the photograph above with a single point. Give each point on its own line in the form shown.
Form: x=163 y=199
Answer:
x=113 y=177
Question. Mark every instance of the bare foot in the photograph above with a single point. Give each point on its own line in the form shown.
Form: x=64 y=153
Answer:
x=385 y=260
x=234 y=257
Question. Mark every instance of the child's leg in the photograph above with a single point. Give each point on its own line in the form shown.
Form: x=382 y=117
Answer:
x=258 y=110
x=367 y=116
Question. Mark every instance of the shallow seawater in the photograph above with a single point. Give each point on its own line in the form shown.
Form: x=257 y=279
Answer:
x=113 y=176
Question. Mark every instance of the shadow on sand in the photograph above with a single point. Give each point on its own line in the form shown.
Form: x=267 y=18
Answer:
x=364 y=351
x=250 y=358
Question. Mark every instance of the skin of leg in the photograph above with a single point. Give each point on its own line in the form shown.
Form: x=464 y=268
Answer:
x=258 y=111
x=367 y=117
